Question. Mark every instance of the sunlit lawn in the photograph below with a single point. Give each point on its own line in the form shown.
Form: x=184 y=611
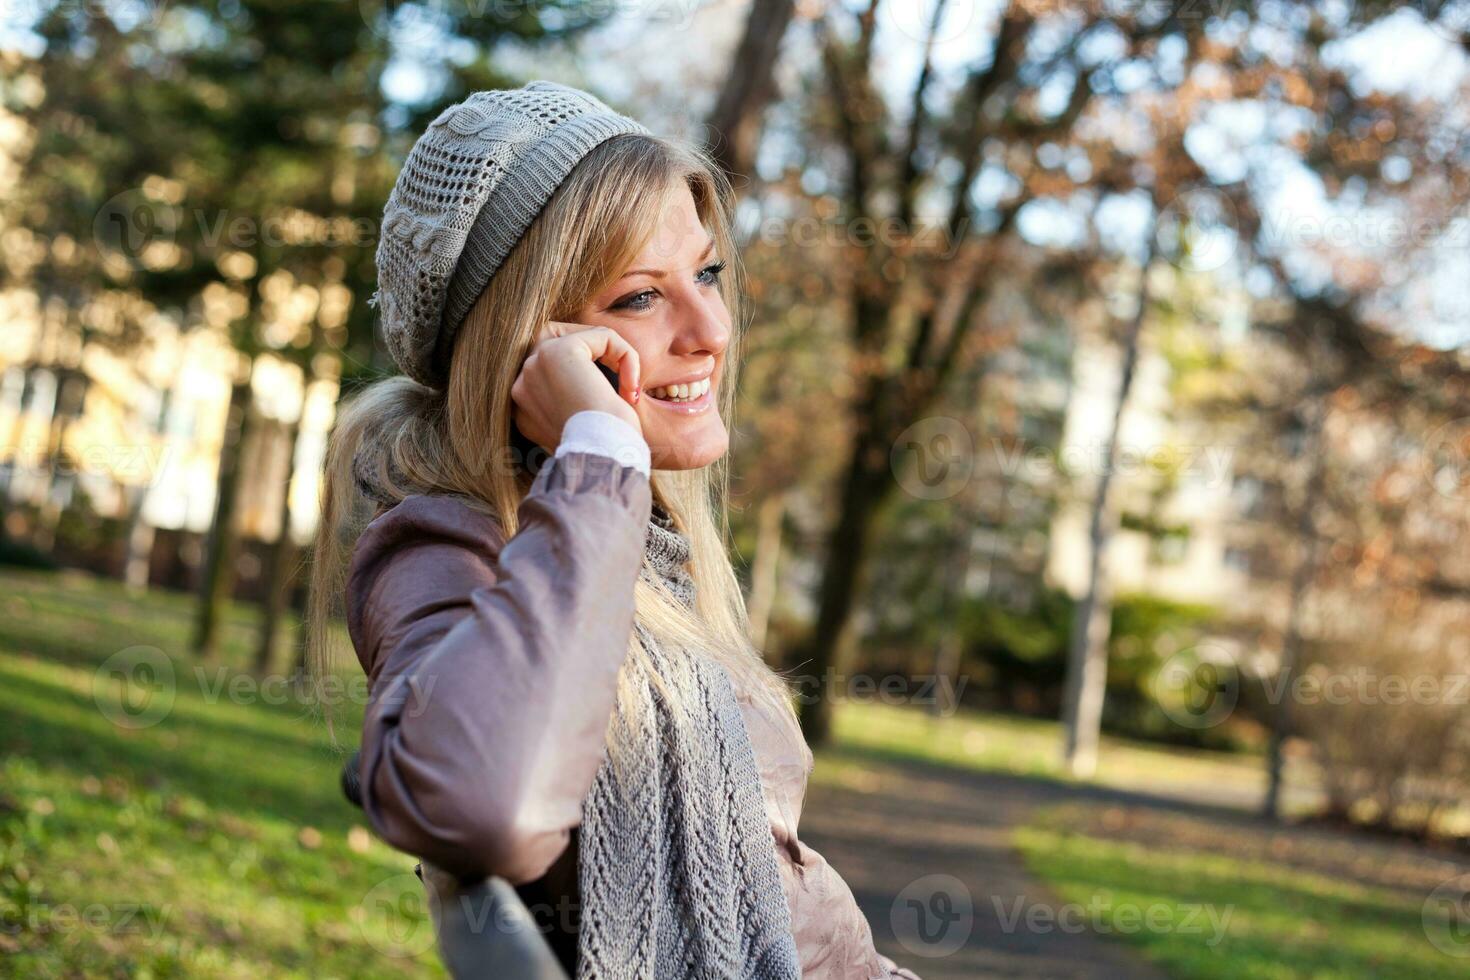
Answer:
x=1031 y=747
x=212 y=843
x=1214 y=899
x=205 y=835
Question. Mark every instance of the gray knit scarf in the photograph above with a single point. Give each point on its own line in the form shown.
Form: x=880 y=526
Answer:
x=677 y=866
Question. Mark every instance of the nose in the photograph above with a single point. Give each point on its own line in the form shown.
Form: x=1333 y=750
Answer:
x=700 y=329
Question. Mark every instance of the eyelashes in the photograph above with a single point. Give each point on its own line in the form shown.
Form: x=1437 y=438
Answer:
x=707 y=276
x=713 y=270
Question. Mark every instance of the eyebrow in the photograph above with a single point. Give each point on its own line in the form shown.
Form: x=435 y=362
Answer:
x=659 y=273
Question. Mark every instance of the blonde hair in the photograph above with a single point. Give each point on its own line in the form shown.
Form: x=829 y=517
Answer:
x=397 y=437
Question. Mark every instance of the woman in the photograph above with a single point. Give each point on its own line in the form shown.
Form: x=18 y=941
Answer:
x=563 y=692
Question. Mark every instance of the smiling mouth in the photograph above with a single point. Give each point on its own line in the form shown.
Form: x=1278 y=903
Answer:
x=681 y=394
x=695 y=398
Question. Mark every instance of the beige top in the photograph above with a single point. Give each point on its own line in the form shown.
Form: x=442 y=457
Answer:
x=492 y=666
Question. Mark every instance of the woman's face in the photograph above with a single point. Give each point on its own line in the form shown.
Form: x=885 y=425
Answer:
x=667 y=305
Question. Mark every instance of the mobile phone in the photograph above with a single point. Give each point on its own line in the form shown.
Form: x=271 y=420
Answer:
x=608 y=373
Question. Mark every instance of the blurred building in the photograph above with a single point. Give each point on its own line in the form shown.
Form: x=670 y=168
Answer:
x=124 y=442
x=1175 y=488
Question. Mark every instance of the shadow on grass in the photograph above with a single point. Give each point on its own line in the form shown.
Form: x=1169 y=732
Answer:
x=1036 y=788
x=228 y=767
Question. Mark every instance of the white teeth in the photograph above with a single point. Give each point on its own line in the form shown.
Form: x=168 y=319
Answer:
x=681 y=393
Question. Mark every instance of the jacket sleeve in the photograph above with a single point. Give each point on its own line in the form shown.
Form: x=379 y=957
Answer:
x=493 y=664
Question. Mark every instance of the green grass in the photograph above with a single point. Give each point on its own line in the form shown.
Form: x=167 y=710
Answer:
x=1032 y=747
x=1238 y=899
x=215 y=843
x=212 y=843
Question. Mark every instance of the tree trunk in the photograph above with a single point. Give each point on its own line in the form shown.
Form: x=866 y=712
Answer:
x=14 y=383
x=1087 y=667
x=735 y=122
x=280 y=566
x=217 y=577
x=948 y=651
x=1291 y=647
x=1087 y=648
x=763 y=569
x=48 y=513
x=826 y=648
x=138 y=564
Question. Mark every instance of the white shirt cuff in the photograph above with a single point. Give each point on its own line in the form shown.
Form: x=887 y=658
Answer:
x=605 y=434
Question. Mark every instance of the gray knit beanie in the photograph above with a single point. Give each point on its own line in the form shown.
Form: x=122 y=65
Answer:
x=471 y=186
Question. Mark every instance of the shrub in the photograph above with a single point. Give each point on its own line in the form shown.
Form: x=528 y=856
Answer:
x=1387 y=717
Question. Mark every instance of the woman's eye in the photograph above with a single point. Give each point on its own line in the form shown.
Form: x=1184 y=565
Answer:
x=710 y=274
x=638 y=301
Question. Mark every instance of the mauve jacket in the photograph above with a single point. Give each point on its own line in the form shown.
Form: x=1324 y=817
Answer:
x=493 y=667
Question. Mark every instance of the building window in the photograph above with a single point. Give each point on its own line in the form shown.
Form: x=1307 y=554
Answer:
x=1238 y=559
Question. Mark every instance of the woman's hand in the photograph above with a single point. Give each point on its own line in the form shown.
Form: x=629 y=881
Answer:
x=561 y=378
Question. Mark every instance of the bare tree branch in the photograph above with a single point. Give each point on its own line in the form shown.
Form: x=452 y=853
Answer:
x=734 y=123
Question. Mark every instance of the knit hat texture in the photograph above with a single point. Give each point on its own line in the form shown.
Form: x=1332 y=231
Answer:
x=471 y=186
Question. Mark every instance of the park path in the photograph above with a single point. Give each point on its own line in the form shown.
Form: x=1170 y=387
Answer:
x=905 y=833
